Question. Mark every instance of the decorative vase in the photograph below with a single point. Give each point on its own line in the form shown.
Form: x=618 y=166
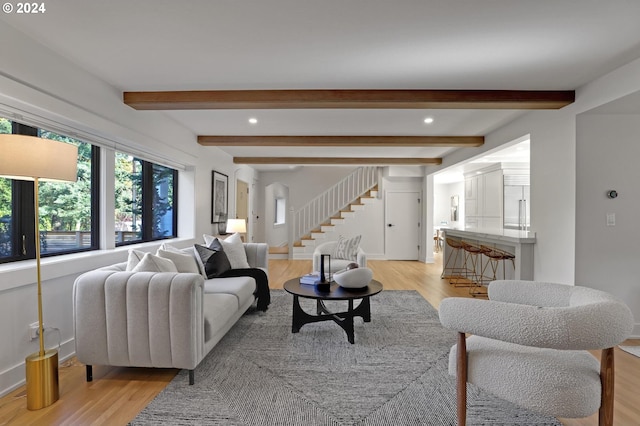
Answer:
x=354 y=278
x=324 y=285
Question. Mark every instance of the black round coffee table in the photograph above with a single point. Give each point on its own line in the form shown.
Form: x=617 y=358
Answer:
x=343 y=319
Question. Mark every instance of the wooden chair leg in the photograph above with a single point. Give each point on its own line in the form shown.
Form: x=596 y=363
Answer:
x=605 y=415
x=461 y=379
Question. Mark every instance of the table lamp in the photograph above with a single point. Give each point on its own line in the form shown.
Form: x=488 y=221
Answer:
x=237 y=225
x=32 y=158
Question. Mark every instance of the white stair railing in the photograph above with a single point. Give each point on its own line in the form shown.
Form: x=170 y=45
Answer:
x=330 y=202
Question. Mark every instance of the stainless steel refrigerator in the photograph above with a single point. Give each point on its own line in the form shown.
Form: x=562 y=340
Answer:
x=516 y=202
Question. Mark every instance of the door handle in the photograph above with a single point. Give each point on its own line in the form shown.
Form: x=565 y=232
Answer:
x=390 y=225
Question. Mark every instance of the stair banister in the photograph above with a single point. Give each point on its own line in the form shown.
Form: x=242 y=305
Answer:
x=330 y=202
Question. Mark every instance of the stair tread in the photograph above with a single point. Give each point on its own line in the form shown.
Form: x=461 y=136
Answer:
x=278 y=250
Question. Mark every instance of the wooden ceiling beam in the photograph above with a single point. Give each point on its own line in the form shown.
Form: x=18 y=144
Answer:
x=353 y=99
x=338 y=160
x=342 y=141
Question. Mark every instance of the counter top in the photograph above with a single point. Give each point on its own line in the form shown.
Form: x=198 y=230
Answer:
x=509 y=235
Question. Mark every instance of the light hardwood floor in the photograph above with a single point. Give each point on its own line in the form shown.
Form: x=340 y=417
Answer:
x=117 y=394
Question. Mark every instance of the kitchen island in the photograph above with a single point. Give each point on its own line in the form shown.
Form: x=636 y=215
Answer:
x=519 y=243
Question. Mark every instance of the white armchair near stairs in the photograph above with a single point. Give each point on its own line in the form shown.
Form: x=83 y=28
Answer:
x=336 y=264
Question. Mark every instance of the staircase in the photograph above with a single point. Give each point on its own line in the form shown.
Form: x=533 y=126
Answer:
x=333 y=226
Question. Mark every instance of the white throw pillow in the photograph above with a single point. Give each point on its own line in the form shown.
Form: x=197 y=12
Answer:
x=184 y=262
x=234 y=249
x=191 y=251
x=347 y=248
x=196 y=256
x=208 y=239
x=135 y=256
x=152 y=263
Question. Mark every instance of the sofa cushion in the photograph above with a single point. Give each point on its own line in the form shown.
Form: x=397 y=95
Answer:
x=152 y=263
x=215 y=262
x=217 y=309
x=242 y=288
x=184 y=262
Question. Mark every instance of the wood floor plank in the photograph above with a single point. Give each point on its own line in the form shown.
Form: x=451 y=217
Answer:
x=117 y=395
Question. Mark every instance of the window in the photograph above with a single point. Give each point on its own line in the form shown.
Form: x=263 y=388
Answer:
x=145 y=200
x=68 y=212
x=280 y=213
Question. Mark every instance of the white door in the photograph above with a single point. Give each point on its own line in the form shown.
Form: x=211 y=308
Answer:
x=402 y=225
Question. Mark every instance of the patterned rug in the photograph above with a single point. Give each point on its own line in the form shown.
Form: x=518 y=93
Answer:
x=395 y=374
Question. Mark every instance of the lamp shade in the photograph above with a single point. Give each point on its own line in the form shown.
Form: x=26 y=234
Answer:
x=29 y=157
x=236 y=225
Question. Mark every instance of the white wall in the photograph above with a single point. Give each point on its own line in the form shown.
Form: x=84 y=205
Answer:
x=275 y=235
x=62 y=97
x=607 y=256
x=442 y=204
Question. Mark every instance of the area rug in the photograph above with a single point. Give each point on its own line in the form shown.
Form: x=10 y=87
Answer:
x=395 y=374
x=633 y=350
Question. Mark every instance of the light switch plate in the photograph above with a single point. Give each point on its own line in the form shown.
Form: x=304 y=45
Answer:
x=611 y=219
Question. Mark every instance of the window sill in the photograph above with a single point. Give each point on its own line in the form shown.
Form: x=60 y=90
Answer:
x=18 y=274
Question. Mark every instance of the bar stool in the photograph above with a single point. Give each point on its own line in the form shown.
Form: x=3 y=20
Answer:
x=437 y=241
x=494 y=257
x=456 y=248
x=473 y=262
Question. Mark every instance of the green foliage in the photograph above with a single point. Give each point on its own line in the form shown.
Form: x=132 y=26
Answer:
x=67 y=206
x=128 y=192
x=5 y=125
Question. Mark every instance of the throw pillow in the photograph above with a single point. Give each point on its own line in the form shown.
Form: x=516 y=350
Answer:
x=152 y=263
x=347 y=248
x=184 y=262
x=215 y=262
x=208 y=239
x=191 y=251
x=135 y=256
x=216 y=245
x=234 y=248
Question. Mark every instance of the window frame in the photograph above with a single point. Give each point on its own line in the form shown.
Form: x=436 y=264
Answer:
x=23 y=206
x=147 y=204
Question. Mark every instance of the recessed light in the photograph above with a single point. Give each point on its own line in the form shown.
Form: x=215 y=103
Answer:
x=428 y=120
x=253 y=120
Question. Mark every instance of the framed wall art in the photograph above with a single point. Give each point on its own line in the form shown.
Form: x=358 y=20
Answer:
x=219 y=197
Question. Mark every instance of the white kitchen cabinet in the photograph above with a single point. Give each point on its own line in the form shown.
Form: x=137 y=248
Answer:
x=483 y=199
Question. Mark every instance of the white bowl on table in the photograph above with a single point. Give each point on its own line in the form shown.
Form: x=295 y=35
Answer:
x=354 y=278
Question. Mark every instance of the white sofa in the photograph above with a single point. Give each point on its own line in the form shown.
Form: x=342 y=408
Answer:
x=157 y=319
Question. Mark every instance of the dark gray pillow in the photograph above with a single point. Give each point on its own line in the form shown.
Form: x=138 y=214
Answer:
x=215 y=262
x=216 y=245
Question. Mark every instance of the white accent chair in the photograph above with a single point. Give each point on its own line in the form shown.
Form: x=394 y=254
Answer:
x=529 y=346
x=336 y=264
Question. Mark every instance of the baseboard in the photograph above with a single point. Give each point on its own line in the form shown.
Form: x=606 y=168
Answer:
x=635 y=334
x=14 y=377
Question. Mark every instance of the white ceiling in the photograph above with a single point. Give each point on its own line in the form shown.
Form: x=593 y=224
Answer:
x=336 y=44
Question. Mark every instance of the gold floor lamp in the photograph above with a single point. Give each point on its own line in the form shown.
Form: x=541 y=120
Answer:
x=31 y=158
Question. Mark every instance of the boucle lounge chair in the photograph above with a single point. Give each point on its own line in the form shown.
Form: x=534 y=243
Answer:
x=529 y=346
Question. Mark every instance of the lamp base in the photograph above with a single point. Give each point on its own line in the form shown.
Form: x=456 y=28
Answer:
x=42 y=379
